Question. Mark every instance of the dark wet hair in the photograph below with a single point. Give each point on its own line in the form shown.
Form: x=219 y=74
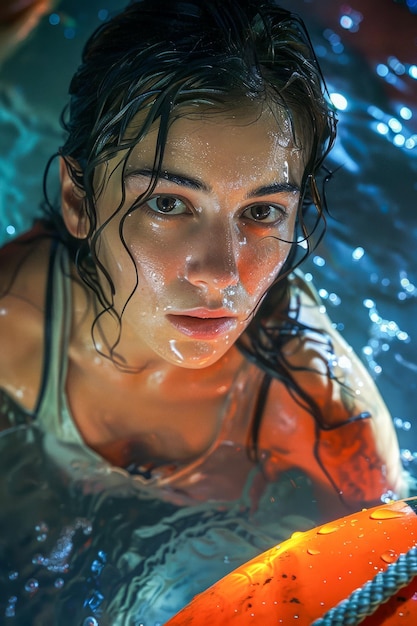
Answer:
x=157 y=57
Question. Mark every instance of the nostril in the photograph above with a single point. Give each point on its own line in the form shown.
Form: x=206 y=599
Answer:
x=214 y=269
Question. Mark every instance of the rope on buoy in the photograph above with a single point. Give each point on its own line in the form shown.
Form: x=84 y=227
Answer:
x=365 y=600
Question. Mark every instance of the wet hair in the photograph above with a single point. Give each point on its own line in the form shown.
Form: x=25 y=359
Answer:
x=158 y=58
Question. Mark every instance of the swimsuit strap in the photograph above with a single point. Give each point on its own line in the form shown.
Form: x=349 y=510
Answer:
x=253 y=434
x=47 y=342
x=52 y=412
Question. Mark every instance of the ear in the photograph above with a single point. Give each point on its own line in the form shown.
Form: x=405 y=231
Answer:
x=72 y=202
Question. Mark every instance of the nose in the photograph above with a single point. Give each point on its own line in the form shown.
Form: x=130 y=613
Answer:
x=212 y=260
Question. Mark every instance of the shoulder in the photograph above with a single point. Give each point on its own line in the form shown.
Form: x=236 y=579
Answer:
x=329 y=417
x=322 y=365
x=23 y=271
x=23 y=274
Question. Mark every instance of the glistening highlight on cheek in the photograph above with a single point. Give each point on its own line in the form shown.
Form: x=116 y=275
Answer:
x=261 y=263
x=209 y=241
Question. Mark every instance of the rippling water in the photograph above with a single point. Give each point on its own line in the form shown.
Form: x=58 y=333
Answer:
x=82 y=541
x=81 y=544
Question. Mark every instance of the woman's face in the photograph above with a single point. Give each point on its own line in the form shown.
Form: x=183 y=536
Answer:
x=208 y=243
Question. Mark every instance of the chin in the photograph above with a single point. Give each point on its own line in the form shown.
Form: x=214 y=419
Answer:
x=198 y=356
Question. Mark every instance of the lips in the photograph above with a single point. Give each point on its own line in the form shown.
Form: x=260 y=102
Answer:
x=203 y=324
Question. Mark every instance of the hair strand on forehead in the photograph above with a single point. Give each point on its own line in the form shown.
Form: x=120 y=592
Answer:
x=145 y=66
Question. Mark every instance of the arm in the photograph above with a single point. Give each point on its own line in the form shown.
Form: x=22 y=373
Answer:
x=23 y=268
x=347 y=446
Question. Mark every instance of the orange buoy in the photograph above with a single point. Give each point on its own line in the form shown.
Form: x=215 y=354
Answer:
x=359 y=569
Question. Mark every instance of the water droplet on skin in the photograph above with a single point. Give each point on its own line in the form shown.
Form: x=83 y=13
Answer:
x=381 y=514
x=312 y=551
x=327 y=530
x=389 y=556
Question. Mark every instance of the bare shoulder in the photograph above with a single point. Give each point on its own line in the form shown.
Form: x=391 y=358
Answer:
x=23 y=273
x=330 y=420
x=324 y=366
x=23 y=265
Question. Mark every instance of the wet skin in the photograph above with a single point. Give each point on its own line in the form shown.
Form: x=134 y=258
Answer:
x=200 y=255
x=209 y=242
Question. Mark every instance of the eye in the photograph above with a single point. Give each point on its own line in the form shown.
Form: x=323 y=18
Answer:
x=168 y=205
x=266 y=213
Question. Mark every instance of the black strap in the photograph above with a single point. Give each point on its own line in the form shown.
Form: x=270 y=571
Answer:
x=257 y=417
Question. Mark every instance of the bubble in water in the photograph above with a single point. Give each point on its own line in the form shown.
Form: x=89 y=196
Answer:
x=94 y=601
x=90 y=621
x=42 y=527
x=13 y=575
x=96 y=567
x=59 y=583
x=32 y=585
x=38 y=559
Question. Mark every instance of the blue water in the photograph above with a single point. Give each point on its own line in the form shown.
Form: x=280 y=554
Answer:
x=81 y=544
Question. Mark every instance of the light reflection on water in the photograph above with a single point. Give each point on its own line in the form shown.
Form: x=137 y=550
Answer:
x=79 y=533
x=79 y=540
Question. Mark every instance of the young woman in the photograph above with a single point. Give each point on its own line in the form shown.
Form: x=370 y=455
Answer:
x=156 y=316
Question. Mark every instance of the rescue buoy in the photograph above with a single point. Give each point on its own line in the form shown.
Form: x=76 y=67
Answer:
x=360 y=569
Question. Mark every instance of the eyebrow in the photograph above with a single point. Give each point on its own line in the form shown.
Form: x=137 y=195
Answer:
x=199 y=185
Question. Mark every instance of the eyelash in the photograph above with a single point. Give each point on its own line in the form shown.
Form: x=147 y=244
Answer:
x=159 y=212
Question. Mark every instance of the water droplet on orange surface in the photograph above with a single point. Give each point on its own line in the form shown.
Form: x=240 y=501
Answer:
x=389 y=556
x=386 y=514
x=327 y=530
x=297 y=534
x=312 y=551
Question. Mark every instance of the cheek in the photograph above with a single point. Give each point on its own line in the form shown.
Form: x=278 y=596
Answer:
x=261 y=263
x=157 y=265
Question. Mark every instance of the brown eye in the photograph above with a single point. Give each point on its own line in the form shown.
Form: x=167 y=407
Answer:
x=267 y=213
x=168 y=205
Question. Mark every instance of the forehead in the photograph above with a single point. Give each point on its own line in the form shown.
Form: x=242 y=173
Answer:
x=223 y=142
